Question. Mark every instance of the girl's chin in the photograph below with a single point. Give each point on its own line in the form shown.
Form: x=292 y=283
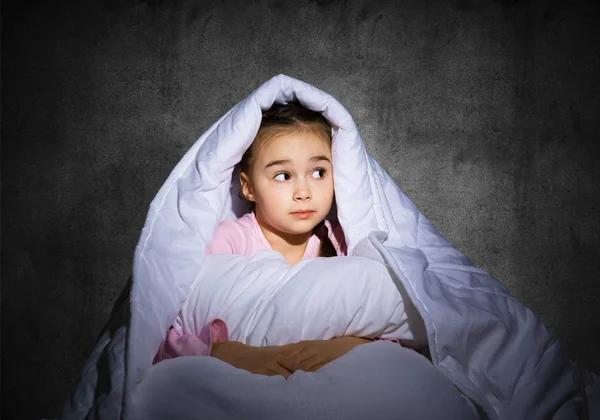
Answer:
x=302 y=228
x=294 y=226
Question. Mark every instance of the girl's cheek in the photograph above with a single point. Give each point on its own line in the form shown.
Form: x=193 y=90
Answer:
x=281 y=192
x=281 y=187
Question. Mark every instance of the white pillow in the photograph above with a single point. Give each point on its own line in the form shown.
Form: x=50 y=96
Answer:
x=265 y=301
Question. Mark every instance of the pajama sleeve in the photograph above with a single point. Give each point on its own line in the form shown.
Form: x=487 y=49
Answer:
x=176 y=345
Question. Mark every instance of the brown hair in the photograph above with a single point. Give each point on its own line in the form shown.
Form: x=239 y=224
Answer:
x=290 y=119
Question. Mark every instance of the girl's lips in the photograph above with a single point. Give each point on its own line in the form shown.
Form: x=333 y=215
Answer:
x=303 y=214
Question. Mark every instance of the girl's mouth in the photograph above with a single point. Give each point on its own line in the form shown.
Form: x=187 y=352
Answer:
x=303 y=214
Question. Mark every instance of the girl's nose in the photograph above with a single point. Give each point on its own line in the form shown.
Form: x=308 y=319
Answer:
x=301 y=192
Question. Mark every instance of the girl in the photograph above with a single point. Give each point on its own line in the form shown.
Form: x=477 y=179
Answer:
x=287 y=176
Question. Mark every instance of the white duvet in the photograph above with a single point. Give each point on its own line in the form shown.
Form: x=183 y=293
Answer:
x=265 y=302
x=491 y=356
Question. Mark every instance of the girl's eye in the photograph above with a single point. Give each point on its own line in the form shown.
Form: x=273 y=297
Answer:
x=282 y=176
x=321 y=172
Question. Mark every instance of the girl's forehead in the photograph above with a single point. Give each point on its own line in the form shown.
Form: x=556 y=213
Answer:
x=295 y=145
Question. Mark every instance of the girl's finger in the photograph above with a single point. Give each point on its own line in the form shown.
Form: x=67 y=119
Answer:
x=291 y=349
x=316 y=367
x=306 y=364
x=308 y=354
x=297 y=355
x=288 y=363
x=278 y=370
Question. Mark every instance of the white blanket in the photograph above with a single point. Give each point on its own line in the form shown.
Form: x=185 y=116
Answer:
x=495 y=351
x=373 y=381
x=265 y=302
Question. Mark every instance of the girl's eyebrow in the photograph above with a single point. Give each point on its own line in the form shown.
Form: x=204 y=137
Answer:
x=284 y=161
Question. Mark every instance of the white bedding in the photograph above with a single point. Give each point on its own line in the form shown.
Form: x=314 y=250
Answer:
x=495 y=351
x=264 y=301
x=373 y=381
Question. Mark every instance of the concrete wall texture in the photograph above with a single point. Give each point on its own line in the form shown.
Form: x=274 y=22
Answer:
x=485 y=112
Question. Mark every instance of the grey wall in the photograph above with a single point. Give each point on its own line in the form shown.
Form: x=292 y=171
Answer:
x=486 y=113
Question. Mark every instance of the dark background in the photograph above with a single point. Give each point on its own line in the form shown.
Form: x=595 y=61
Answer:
x=485 y=112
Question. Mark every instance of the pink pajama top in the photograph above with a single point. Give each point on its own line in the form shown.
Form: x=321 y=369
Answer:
x=242 y=236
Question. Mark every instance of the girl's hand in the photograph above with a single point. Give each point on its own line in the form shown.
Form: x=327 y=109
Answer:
x=311 y=355
x=260 y=360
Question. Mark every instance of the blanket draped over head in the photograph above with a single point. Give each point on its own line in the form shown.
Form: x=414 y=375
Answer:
x=494 y=350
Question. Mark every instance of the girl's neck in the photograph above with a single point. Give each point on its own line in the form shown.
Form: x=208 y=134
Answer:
x=292 y=247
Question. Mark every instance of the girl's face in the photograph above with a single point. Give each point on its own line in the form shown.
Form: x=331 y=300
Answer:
x=291 y=173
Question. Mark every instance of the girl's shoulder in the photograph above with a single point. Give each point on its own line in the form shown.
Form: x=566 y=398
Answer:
x=234 y=236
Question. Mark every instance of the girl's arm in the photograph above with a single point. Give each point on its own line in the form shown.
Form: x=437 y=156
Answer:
x=259 y=360
x=311 y=355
